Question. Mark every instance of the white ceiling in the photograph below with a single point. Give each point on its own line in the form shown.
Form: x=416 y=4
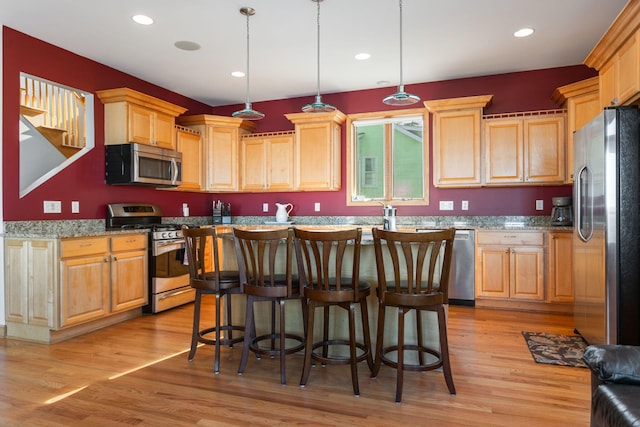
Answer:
x=443 y=39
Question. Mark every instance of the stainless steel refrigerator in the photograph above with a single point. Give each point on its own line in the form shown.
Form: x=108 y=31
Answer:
x=606 y=236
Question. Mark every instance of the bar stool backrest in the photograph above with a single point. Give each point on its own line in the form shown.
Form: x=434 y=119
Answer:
x=414 y=263
x=323 y=261
x=202 y=255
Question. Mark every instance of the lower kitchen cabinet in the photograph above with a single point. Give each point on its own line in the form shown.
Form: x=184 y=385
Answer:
x=510 y=265
x=560 y=272
x=59 y=288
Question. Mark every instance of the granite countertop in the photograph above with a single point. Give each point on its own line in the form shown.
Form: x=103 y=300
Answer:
x=89 y=228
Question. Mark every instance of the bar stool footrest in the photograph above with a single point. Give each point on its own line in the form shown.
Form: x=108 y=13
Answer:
x=202 y=335
x=275 y=351
x=338 y=360
x=412 y=366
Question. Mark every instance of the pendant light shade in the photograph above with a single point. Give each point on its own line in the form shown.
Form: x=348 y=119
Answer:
x=401 y=97
x=248 y=113
x=318 y=106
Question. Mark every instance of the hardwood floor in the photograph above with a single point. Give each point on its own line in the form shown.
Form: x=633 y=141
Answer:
x=137 y=374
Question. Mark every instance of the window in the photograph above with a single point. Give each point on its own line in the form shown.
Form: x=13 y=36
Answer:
x=388 y=158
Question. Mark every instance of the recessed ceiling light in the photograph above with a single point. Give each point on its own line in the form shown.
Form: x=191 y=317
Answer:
x=362 y=56
x=142 y=19
x=523 y=32
x=237 y=73
x=186 y=45
x=383 y=83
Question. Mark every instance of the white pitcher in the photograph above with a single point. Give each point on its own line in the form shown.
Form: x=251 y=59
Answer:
x=282 y=214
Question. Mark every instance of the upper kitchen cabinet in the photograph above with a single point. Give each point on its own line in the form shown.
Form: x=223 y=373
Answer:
x=266 y=161
x=131 y=116
x=189 y=143
x=456 y=140
x=582 y=101
x=317 y=153
x=221 y=138
x=617 y=56
x=525 y=148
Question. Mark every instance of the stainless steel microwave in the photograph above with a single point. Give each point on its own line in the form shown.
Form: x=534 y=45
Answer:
x=140 y=164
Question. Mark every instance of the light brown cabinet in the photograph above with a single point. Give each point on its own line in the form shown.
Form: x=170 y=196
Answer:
x=131 y=116
x=510 y=265
x=457 y=140
x=560 y=273
x=317 y=153
x=189 y=143
x=31 y=290
x=267 y=162
x=617 y=58
x=84 y=280
x=221 y=138
x=58 y=287
x=582 y=101
x=525 y=148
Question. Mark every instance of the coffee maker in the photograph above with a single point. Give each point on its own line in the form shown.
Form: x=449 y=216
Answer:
x=562 y=211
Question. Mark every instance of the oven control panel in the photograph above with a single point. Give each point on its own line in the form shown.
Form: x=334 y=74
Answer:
x=167 y=234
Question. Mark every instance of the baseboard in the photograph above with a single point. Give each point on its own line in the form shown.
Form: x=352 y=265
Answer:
x=3 y=331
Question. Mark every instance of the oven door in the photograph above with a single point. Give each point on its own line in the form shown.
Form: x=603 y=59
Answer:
x=169 y=275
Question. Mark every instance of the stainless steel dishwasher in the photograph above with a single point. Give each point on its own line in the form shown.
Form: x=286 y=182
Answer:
x=462 y=281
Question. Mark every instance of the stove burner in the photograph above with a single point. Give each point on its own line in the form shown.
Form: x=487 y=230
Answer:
x=133 y=226
x=166 y=227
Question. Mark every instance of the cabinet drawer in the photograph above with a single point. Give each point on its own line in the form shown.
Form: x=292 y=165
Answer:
x=535 y=238
x=127 y=243
x=80 y=247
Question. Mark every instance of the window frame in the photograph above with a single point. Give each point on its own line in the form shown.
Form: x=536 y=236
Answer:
x=352 y=168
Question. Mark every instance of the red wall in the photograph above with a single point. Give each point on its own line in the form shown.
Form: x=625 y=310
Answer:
x=84 y=180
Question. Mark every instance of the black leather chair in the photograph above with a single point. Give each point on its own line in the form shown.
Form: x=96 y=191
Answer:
x=615 y=384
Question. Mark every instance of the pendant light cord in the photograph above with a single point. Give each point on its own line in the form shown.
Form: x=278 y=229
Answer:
x=248 y=97
x=318 y=48
x=401 y=82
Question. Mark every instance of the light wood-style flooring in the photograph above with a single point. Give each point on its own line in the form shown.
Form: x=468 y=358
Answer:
x=137 y=374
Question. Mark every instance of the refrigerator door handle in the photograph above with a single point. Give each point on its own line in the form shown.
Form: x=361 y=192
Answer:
x=584 y=229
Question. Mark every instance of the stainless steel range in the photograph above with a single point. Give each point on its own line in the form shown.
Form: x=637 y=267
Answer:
x=168 y=272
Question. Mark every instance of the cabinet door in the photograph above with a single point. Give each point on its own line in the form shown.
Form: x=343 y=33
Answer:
x=190 y=145
x=527 y=273
x=141 y=125
x=503 y=151
x=129 y=280
x=253 y=164
x=164 y=131
x=628 y=70
x=221 y=153
x=317 y=156
x=492 y=271
x=607 y=80
x=31 y=292
x=456 y=148
x=580 y=111
x=560 y=267
x=84 y=289
x=544 y=142
x=280 y=152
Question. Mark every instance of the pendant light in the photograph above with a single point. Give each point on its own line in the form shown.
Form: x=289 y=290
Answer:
x=248 y=113
x=401 y=97
x=318 y=106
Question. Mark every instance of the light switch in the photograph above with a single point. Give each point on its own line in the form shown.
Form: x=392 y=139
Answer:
x=265 y=207
x=465 y=205
x=539 y=205
x=316 y=207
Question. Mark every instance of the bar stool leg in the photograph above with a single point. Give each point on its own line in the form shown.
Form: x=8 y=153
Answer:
x=444 y=349
x=195 y=334
x=379 y=339
x=400 y=370
x=420 y=337
x=216 y=363
x=366 y=333
x=306 y=367
x=352 y=349
x=249 y=334
x=283 y=375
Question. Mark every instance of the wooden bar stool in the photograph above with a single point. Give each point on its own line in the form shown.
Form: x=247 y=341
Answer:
x=413 y=274
x=321 y=256
x=261 y=279
x=206 y=277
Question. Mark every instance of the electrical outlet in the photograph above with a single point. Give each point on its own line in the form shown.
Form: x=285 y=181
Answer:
x=446 y=205
x=75 y=207
x=539 y=205
x=316 y=207
x=265 y=207
x=52 y=206
x=465 y=205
